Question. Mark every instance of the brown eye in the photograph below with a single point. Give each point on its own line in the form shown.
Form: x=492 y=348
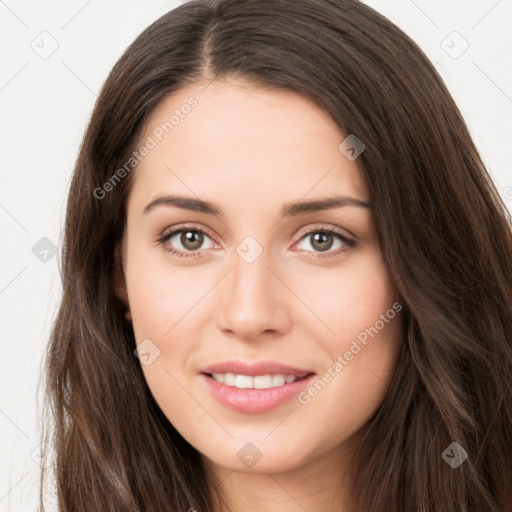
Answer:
x=191 y=240
x=321 y=241
x=185 y=242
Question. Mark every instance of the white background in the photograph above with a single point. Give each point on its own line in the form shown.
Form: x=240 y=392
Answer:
x=45 y=106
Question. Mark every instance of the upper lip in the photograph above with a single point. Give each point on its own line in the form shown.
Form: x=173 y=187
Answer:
x=253 y=369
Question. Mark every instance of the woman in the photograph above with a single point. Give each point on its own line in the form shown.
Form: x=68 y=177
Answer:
x=286 y=277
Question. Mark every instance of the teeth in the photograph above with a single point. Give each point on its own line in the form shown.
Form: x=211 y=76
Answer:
x=257 y=382
x=219 y=377
x=229 y=379
x=278 y=380
x=244 y=381
x=263 y=381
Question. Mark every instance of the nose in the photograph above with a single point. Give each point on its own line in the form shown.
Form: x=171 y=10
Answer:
x=253 y=300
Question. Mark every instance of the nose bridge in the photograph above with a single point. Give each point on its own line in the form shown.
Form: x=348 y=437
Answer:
x=253 y=302
x=250 y=278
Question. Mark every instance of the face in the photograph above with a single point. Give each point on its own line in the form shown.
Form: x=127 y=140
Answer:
x=267 y=340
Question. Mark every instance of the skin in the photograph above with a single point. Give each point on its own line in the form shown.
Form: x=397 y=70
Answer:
x=250 y=150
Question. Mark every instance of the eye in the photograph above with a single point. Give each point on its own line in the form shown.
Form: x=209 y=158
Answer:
x=185 y=242
x=322 y=239
x=188 y=241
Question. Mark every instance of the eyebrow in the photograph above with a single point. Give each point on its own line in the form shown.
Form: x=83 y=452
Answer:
x=289 y=209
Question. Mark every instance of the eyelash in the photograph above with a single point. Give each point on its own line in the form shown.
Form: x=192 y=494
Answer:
x=349 y=244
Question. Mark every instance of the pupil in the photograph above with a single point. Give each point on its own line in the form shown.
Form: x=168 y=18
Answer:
x=322 y=241
x=191 y=240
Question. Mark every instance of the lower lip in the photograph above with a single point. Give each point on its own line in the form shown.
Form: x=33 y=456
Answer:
x=255 y=400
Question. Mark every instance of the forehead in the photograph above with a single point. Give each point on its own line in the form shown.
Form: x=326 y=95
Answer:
x=235 y=139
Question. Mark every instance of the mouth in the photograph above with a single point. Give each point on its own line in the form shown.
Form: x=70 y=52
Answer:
x=267 y=381
x=254 y=388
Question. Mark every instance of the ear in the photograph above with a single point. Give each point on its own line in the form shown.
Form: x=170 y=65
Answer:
x=119 y=279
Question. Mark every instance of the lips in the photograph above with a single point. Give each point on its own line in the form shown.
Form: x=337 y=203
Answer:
x=289 y=382
x=254 y=369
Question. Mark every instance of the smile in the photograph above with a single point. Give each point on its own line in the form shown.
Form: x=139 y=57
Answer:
x=244 y=394
x=254 y=382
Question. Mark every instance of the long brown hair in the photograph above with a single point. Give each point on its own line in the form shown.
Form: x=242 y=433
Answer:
x=444 y=232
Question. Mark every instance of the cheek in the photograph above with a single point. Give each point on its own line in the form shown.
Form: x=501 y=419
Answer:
x=349 y=299
x=160 y=294
x=160 y=297
x=359 y=306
